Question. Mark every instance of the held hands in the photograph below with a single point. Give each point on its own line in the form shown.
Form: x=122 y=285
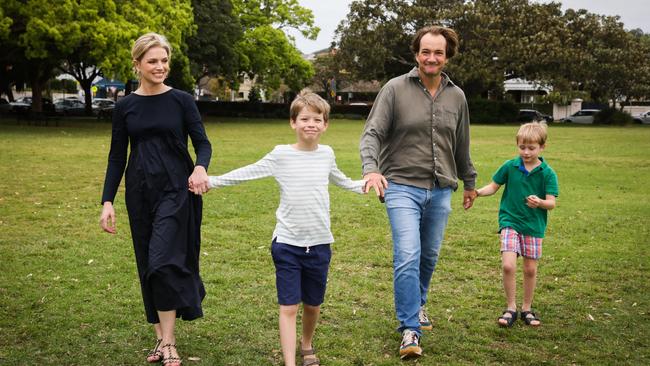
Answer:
x=107 y=218
x=198 y=181
x=376 y=181
x=468 y=198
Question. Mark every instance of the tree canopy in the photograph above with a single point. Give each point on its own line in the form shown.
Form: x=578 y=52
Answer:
x=89 y=37
x=268 y=55
x=574 y=51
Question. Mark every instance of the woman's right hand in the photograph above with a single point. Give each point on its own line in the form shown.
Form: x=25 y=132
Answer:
x=107 y=219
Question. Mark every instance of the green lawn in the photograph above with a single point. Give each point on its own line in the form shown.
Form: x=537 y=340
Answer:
x=69 y=293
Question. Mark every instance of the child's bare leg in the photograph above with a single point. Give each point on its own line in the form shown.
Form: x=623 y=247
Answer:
x=310 y=315
x=530 y=280
x=509 y=265
x=288 y=333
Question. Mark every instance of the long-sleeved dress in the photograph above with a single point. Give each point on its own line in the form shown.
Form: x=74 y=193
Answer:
x=165 y=217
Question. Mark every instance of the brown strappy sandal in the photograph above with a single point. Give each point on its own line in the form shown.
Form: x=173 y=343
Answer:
x=170 y=361
x=155 y=352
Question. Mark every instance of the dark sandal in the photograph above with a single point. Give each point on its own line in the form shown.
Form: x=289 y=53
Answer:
x=311 y=361
x=155 y=352
x=170 y=360
x=509 y=320
x=525 y=316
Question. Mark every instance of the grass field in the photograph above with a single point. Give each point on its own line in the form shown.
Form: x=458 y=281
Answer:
x=69 y=293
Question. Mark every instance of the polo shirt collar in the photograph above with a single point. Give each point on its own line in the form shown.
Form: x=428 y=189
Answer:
x=518 y=163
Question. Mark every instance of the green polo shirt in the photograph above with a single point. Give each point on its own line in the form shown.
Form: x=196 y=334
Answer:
x=520 y=184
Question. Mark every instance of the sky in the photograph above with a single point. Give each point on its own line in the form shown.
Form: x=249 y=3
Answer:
x=329 y=13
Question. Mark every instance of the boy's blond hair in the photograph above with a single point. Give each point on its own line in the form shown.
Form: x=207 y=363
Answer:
x=307 y=98
x=532 y=132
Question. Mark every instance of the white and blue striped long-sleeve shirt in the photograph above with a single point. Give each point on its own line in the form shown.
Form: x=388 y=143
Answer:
x=303 y=217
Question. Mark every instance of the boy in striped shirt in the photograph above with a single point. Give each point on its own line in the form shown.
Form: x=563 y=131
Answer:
x=301 y=239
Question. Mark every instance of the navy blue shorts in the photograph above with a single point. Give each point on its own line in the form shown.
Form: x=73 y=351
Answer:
x=301 y=273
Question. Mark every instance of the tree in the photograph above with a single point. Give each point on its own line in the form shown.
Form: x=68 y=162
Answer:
x=89 y=37
x=212 y=49
x=172 y=18
x=499 y=39
x=268 y=56
x=374 y=40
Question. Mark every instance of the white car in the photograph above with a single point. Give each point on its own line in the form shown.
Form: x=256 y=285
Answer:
x=642 y=118
x=582 y=116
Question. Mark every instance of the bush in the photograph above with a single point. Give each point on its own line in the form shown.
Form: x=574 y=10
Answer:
x=492 y=111
x=612 y=116
x=254 y=95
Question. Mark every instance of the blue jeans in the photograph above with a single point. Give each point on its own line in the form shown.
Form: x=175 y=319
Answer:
x=418 y=218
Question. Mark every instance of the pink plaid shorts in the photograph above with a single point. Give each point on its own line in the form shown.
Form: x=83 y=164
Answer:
x=524 y=245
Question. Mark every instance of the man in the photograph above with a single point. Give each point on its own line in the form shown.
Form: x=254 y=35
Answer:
x=414 y=148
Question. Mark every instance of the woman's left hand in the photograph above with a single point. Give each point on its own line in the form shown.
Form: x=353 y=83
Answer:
x=198 y=181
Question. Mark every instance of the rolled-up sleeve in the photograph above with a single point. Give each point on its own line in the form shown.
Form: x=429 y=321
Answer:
x=376 y=128
x=464 y=167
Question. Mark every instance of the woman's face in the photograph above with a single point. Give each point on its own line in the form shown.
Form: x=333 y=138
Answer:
x=154 y=66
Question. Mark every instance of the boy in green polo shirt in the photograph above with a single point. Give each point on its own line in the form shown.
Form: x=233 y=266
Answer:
x=523 y=216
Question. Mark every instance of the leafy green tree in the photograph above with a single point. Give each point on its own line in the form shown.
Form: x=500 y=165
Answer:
x=172 y=18
x=212 y=49
x=89 y=37
x=374 y=40
x=268 y=56
x=575 y=51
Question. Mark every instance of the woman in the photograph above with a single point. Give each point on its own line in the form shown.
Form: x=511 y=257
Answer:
x=165 y=217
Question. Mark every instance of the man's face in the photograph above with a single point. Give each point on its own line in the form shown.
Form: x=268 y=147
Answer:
x=432 y=56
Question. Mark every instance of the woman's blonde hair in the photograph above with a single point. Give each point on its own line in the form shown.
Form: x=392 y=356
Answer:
x=532 y=132
x=145 y=43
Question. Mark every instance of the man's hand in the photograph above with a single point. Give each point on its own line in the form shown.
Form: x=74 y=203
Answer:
x=468 y=198
x=376 y=181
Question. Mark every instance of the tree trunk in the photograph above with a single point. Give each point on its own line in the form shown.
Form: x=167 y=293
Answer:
x=37 y=91
x=86 y=85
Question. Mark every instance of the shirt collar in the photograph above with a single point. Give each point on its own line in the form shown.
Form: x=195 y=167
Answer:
x=414 y=74
x=517 y=163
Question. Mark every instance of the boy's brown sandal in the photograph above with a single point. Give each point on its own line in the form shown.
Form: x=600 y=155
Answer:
x=309 y=361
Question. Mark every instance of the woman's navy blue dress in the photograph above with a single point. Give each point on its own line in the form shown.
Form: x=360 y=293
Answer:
x=165 y=217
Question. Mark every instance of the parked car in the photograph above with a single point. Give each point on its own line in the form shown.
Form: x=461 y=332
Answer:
x=70 y=107
x=642 y=118
x=24 y=105
x=103 y=107
x=582 y=116
x=21 y=104
x=533 y=115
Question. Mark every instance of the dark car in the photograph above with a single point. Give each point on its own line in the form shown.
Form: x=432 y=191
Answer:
x=103 y=107
x=24 y=105
x=533 y=115
x=70 y=107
